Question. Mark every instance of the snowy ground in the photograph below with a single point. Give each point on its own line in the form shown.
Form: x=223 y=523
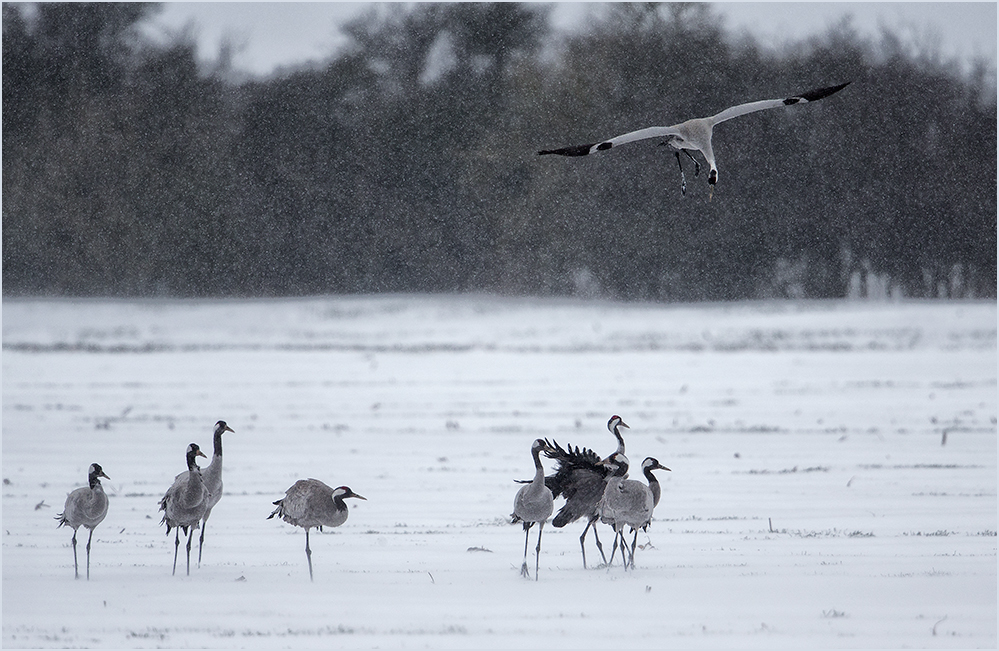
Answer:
x=833 y=484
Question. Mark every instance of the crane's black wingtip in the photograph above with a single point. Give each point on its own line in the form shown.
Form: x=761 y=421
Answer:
x=578 y=150
x=819 y=93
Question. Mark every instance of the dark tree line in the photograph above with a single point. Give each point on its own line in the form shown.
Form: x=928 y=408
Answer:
x=408 y=162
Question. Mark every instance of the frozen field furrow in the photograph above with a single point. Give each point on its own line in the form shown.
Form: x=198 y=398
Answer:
x=833 y=482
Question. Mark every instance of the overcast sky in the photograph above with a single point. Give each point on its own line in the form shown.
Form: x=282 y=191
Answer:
x=274 y=34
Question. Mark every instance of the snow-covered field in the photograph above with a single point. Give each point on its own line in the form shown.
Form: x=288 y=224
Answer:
x=833 y=483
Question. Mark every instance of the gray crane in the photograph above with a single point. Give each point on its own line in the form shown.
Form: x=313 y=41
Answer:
x=185 y=502
x=580 y=478
x=534 y=503
x=212 y=474
x=311 y=503
x=627 y=502
x=85 y=507
x=648 y=465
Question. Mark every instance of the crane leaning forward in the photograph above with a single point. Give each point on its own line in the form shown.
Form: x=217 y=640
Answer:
x=695 y=134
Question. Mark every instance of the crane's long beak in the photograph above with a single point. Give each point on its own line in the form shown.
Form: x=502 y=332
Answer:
x=199 y=453
x=360 y=497
x=103 y=475
x=229 y=429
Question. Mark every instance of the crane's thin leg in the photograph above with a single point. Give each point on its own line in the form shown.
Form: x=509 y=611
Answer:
x=697 y=166
x=582 y=540
x=89 y=538
x=634 y=543
x=190 y=535
x=596 y=537
x=76 y=567
x=537 y=552
x=308 y=554
x=176 y=546
x=619 y=541
x=201 y=541
x=527 y=532
x=683 y=187
x=613 y=549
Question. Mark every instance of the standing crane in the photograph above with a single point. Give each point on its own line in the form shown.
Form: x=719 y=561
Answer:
x=86 y=507
x=627 y=502
x=185 y=502
x=534 y=503
x=311 y=503
x=580 y=479
x=648 y=465
x=212 y=474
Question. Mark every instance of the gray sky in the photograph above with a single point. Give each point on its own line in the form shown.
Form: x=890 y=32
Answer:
x=274 y=34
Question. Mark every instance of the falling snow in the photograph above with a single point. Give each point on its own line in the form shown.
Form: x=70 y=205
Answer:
x=833 y=471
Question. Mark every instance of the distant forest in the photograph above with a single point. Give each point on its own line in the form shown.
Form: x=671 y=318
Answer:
x=408 y=162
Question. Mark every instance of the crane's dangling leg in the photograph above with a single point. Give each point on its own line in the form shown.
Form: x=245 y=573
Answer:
x=697 y=166
x=683 y=177
x=683 y=193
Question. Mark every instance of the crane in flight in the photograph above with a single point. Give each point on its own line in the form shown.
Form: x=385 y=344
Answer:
x=695 y=134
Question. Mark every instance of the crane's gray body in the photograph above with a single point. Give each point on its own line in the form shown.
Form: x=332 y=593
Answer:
x=86 y=506
x=186 y=501
x=626 y=502
x=310 y=503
